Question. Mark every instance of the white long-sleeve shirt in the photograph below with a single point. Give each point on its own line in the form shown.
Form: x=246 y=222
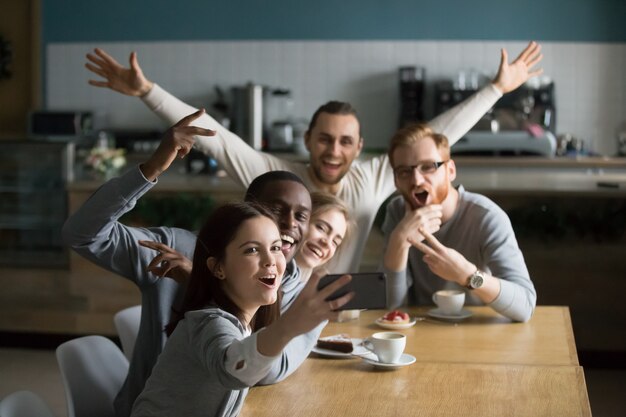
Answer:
x=364 y=188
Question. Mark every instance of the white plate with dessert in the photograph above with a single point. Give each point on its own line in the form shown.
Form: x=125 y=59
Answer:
x=339 y=346
x=404 y=360
x=395 y=320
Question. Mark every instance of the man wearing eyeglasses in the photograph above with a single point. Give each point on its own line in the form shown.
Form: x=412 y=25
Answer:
x=441 y=237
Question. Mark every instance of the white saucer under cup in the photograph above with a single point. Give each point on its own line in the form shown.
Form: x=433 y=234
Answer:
x=450 y=302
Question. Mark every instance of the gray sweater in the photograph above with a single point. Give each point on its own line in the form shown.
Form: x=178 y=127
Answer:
x=95 y=233
x=481 y=232
x=205 y=369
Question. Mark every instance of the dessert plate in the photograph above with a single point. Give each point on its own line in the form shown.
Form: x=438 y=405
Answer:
x=438 y=314
x=358 y=349
x=395 y=326
x=405 y=360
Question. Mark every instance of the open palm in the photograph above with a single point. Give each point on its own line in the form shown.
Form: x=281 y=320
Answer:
x=511 y=76
x=129 y=81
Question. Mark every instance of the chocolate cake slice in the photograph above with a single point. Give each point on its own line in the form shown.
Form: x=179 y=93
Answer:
x=337 y=342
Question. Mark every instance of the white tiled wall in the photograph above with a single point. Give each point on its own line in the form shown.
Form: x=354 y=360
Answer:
x=590 y=78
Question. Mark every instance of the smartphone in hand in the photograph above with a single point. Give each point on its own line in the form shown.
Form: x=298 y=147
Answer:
x=369 y=290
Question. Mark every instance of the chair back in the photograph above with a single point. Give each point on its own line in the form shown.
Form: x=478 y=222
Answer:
x=93 y=370
x=24 y=404
x=127 y=325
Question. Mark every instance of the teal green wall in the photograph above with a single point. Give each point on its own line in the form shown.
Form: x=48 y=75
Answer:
x=147 y=20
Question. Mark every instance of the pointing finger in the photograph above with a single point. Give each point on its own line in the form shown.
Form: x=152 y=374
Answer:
x=425 y=249
x=198 y=131
x=185 y=121
x=432 y=240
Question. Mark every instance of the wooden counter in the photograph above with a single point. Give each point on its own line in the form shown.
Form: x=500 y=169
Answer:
x=488 y=175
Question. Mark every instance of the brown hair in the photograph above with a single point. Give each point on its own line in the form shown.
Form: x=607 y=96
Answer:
x=413 y=133
x=204 y=287
x=334 y=107
x=323 y=202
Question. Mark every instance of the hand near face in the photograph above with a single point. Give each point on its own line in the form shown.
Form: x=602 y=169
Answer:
x=168 y=262
x=511 y=76
x=176 y=143
x=129 y=81
x=427 y=218
x=444 y=262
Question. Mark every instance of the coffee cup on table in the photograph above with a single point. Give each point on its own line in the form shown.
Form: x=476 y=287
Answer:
x=450 y=302
x=388 y=346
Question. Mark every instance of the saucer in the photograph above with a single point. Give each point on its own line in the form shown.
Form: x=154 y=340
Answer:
x=405 y=360
x=395 y=326
x=357 y=346
x=438 y=314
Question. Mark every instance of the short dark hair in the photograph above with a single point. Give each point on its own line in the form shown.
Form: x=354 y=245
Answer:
x=203 y=286
x=255 y=189
x=334 y=107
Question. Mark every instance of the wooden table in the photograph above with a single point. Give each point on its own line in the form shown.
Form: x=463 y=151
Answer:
x=483 y=366
x=486 y=337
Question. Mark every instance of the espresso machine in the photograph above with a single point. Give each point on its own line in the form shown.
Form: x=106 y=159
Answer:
x=521 y=123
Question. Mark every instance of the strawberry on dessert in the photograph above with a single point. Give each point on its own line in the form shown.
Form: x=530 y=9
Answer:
x=396 y=317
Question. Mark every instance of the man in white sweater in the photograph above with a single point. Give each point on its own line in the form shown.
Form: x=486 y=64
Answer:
x=333 y=139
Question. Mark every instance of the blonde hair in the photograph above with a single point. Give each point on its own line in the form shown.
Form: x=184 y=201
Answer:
x=323 y=202
x=413 y=133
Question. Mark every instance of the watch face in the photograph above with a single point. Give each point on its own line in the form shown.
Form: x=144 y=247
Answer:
x=477 y=281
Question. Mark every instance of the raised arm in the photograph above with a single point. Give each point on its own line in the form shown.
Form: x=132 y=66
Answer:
x=95 y=232
x=457 y=121
x=241 y=162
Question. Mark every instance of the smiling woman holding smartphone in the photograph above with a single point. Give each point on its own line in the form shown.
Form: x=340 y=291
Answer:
x=230 y=331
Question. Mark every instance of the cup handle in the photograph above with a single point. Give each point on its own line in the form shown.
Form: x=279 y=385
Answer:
x=435 y=298
x=367 y=344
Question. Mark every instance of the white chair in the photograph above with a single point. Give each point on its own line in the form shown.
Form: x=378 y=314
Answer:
x=93 y=369
x=24 y=404
x=127 y=325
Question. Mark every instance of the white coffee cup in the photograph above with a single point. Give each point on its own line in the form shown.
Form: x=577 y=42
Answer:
x=449 y=301
x=388 y=346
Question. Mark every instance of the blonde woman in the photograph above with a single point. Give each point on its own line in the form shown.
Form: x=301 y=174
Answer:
x=329 y=226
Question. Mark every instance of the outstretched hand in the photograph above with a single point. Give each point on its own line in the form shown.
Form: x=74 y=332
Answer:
x=311 y=307
x=511 y=76
x=129 y=81
x=444 y=262
x=176 y=143
x=308 y=310
x=168 y=262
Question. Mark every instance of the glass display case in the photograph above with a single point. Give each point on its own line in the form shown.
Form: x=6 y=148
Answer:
x=33 y=202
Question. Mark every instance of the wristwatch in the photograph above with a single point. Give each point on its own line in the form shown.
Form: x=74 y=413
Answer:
x=476 y=280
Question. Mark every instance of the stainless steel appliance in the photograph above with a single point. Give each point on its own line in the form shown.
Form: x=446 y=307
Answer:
x=522 y=122
x=262 y=116
x=247 y=113
x=279 y=120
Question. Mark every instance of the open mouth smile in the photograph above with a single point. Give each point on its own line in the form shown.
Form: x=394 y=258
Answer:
x=269 y=280
x=315 y=250
x=288 y=243
x=421 y=197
